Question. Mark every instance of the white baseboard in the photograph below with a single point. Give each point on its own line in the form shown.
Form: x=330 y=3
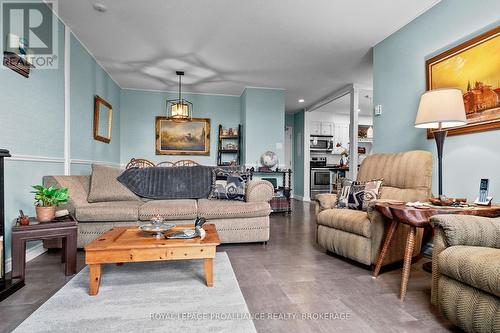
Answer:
x=301 y=198
x=31 y=254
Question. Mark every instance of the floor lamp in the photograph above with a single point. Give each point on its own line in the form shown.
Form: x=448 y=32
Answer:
x=440 y=109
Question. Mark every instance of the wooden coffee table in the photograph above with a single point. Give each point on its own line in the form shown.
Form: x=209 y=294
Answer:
x=129 y=244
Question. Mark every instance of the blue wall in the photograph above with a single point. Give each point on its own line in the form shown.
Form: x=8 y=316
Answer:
x=399 y=80
x=263 y=112
x=32 y=125
x=139 y=109
x=87 y=80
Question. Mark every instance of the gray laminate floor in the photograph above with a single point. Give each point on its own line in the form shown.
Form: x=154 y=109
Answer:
x=289 y=277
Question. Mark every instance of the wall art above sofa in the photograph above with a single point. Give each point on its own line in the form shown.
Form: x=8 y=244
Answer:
x=182 y=137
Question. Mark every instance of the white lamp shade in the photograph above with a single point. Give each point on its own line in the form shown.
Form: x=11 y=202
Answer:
x=443 y=107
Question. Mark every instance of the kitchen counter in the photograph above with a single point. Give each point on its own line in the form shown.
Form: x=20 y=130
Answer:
x=331 y=167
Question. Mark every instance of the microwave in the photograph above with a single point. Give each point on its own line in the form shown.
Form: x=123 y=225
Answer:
x=322 y=143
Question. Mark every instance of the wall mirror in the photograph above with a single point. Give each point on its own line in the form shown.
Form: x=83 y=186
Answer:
x=103 y=119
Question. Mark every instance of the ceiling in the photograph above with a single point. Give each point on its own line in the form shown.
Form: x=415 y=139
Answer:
x=342 y=104
x=309 y=48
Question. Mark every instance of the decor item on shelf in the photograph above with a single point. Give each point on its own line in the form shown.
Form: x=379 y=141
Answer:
x=474 y=68
x=46 y=201
x=103 y=119
x=369 y=133
x=269 y=160
x=228 y=184
x=344 y=154
x=180 y=109
x=174 y=137
x=23 y=219
x=440 y=109
x=228 y=146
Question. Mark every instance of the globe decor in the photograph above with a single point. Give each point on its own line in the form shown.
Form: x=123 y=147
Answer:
x=268 y=160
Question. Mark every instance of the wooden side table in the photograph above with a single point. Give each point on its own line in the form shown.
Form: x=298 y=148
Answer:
x=65 y=228
x=417 y=218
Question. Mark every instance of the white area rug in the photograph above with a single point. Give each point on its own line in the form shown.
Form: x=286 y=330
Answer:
x=168 y=296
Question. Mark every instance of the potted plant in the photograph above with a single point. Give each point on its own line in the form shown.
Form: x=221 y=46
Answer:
x=46 y=201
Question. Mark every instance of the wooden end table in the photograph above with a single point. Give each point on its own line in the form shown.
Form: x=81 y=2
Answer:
x=65 y=227
x=126 y=244
x=417 y=218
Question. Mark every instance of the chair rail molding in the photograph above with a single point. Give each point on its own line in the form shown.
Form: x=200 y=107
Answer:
x=89 y=162
x=35 y=158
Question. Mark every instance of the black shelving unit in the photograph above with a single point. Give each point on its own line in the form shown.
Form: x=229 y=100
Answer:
x=282 y=201
x=7 y=285
x=221 y=148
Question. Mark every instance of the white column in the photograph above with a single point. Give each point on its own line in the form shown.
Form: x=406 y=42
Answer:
x=67 y=113
x=353 y=134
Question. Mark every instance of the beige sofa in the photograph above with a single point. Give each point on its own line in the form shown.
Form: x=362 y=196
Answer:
x=236 y=221
x=358 y=235
x=466 y=271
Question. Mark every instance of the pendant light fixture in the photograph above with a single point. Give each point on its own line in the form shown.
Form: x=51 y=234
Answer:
x=180 y=109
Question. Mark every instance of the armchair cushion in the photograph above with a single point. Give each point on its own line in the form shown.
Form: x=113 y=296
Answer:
x=478 y=267
x=353 y=221
x=469 y=230
x=326 y=200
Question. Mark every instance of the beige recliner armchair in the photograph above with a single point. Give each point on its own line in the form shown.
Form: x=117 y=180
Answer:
x=358 y=235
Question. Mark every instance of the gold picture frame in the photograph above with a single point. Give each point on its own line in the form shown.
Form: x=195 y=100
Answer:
x=102 y=122
x=182 y=137
x=473 y=67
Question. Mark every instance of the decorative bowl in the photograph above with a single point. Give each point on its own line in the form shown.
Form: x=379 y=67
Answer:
x=156 y=227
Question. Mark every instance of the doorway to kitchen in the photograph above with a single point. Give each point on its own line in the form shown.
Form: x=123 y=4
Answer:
x=339 y=135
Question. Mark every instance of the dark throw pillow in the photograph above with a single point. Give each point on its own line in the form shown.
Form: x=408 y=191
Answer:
x=228 y=185
x=362 y=193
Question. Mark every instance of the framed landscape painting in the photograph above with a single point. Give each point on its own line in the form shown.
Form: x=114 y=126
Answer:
x=474 y=68
x=181 y=137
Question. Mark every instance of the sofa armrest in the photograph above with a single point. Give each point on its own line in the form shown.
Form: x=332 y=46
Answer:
x=78 y=188
x=468 y=230
x=325 y=201
x=259 y=191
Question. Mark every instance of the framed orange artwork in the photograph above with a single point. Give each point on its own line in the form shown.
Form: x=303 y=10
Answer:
x=474 y=68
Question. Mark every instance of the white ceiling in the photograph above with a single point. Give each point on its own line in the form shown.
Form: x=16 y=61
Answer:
x=308 y=47
x=342 y=105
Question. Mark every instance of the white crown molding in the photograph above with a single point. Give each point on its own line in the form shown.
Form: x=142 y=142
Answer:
x=31 y=254
x=56 y=14
x=183 y=92
x=34 y=158
x=408 y=22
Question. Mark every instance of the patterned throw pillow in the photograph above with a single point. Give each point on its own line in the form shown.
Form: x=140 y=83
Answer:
x=343 y=190
x=228 y=185
x=362 y=193
x=372 y=192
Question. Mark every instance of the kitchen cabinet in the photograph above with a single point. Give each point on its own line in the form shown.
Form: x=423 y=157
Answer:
x=315 y=127
x=327 y=128
x=322 y=128
x=341 y=134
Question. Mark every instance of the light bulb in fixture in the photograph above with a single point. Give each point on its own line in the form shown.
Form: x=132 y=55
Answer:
x=301 y=100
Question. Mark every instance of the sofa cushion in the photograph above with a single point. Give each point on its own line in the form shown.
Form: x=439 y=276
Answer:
x=478 y=267
x=230 y=209
x=180 y=209
x=105 y=187
x=353 y=221
x=109 y=211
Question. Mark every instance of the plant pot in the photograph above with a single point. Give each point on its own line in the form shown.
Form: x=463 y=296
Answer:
x=45 y=214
